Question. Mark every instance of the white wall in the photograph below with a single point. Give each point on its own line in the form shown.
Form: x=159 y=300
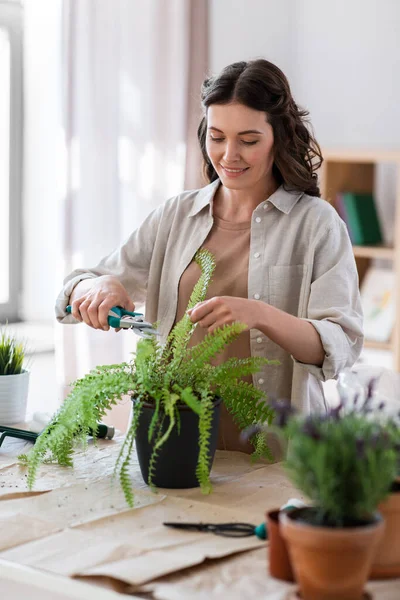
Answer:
x=42 y=157
x=245 y=29
x=346 y=58
x=342 y=59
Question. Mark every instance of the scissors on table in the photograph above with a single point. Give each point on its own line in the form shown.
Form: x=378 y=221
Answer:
x=119 y=317
x=225 y=529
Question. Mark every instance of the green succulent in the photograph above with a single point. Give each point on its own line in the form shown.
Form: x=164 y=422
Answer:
x=12 y=354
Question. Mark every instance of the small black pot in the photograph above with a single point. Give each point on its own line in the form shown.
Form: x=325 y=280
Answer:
x=177 y=458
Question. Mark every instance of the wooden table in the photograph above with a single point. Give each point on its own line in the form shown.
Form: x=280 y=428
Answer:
x=80 y=504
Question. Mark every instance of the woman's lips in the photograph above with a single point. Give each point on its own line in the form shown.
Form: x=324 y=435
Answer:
x=231 y=172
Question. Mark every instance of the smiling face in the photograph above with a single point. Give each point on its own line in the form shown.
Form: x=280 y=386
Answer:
x=240 y=145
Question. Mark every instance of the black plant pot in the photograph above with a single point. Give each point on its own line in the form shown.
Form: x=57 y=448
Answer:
x=177 y=458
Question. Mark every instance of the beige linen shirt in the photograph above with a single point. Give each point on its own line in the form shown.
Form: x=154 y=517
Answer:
x=300 y=261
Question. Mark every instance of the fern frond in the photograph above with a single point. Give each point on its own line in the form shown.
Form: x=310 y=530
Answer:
x=155 y=452
x=170 y=400
x=206 y=262
x=124 y=476
x=245 y=403
x=188 y=397
x=213 y=344
x=236 y=368
x=261 y=449
x=178 y=340
x=205 y=425
x=84 y=407
x=155 y=417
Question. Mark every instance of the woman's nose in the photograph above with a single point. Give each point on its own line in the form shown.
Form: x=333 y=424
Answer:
x=231 y=152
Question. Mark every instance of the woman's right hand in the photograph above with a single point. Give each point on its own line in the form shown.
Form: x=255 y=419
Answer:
x=91 y=299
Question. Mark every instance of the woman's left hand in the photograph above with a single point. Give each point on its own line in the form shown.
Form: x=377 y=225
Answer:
x=224 y=310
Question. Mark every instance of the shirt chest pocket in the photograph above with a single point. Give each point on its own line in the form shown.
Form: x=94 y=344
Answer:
x=287 y=288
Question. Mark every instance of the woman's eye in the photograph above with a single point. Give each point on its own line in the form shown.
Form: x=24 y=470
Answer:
x=213 y=139
x=249 y=143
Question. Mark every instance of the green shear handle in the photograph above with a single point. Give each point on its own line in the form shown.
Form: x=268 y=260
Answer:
x=119 y=317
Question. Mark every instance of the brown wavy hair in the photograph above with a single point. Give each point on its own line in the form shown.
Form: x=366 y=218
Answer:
x=262 y=86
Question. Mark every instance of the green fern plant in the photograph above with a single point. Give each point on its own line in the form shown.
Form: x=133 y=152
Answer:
x=167 y=376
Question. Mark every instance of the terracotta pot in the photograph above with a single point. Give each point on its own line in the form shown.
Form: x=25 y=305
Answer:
x=277 y=552
x=330 y=563
x=387 y=557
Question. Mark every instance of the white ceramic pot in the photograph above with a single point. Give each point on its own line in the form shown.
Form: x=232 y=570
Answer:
x=13 y=398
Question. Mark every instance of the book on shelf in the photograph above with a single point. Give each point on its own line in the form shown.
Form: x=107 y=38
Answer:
x=378 y=303
x=358 y=211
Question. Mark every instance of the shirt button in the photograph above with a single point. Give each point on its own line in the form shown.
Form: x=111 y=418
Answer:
x=259 y=340
x=258 y=219
x=256 y=255
x=257 y=296
x=261 y=381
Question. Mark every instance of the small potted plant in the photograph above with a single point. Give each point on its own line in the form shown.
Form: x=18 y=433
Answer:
x=344 y=462
x=176 y=393
x=383 y=401
x=386 y=563
x=14 y=380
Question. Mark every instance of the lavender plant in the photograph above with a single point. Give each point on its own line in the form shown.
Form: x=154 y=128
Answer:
x=344 y=461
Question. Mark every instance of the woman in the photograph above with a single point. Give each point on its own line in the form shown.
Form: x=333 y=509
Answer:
x=285 y=265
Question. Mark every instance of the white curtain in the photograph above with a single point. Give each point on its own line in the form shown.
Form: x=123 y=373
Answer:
x=133 y=72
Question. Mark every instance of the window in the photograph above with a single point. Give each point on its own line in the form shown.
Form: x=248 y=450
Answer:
x=10 y=158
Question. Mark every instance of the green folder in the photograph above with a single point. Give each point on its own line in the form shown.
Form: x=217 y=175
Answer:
x=362 y=219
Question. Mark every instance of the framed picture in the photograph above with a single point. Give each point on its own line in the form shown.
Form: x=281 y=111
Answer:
x=378 y=303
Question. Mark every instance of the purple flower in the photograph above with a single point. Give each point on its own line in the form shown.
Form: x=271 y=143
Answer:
x=335 y=413
x=375 y=439
x=360 y=448
x=365 y=408
x=371 y=388
x=310 y=429
x=249 y=432
x=283 y=411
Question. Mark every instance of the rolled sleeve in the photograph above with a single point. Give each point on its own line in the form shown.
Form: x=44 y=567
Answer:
x=63 y=298
x=130 y=264
x=334 y=306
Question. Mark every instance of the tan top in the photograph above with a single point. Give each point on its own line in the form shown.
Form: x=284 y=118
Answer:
x=300 y=261
x=230 y=245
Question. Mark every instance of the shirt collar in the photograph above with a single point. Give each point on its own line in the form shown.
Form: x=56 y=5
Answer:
x=282 y=199
x=204 y=197
x=285 y=200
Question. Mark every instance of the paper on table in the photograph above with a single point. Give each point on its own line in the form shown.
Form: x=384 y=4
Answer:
x=81 y=503
x=68 y=551
x=156 y=563
x=134 y=546
x=167 y=549
x=17 y=528
x=254 y=492
x=236 y=577
x=94 y=464
x=241 y=576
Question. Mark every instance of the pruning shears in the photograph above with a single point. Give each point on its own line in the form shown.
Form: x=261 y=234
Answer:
x=119 y=317
x=102 y=431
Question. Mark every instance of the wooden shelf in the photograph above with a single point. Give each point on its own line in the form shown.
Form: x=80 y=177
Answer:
x=378 y=345
x=361 y=156
x=385 y=252
x=355 y=170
